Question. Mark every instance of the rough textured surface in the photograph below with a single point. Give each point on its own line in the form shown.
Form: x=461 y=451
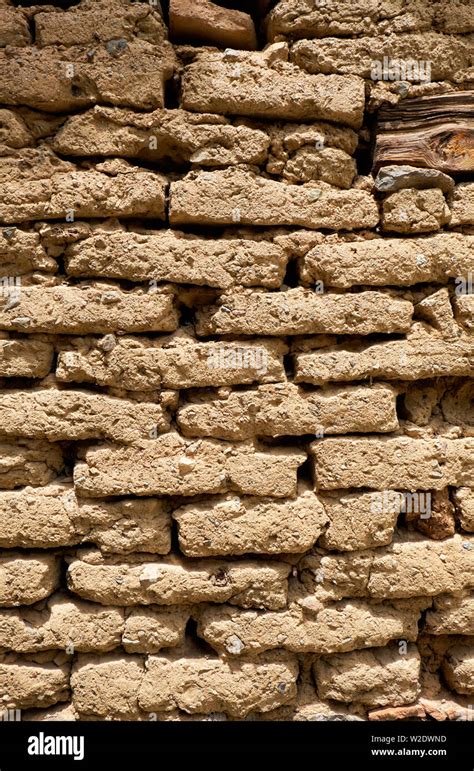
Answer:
x=236 y=360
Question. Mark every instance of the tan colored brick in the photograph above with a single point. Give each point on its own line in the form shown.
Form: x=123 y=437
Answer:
x=462 y=205
x=148 y=630
x=239 y=688
x=46 y=413
x=171 y=466
x=29 y=684
x=410 y=566
x=21 y=252
x=415 y=211
x=25 y=358
x=239 y=196
x=82 y=309
x=450 y=58
x=423 y=354
x=184 y=137
x=458 y=668
x=13 y=28
x=177 y=362
x=169 y=255
x=98 y=20
x=25 y=462
x=64 y=80
x=286 y=409
x=451 y=615
x=390 y=261
x=357 y=521
x=232 y=525
x=27 y=578
x=300 y=311
x=265 y=85
x=392 y=462
x=375 y=678
x=130 y=192
x=107 y=686
x=140 y=581
x=52 y=516
x=344 y=626
x=463 y=499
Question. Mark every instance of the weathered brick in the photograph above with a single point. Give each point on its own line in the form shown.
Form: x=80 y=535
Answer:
x=99 y=20
x=172 y=466
x=415 y=211
x=409 y=567
x=458 y=668
x=148 y=630
x=28 y=684
x=143 y=365
x=376 y=677
x=232 y=525
x=21 y=252
x=140 y=581
x=57 y=79
x=169 y=255
x=463 y=499
x=265 y=85
x=27 y=578
x=390 y=261
x=359 y=520
x=81 y=309
x=25 y=462
x=183 y=137
x=300 y=311
x=63 y=623
x=235 y=688
x=25 y=358
x=423 y=354
x=297 y=19
x=399 y=462
x=121 y=192
x=451 y=615
x=210 y=23
x=107 y=686
x=232 y=196
x=344 y=626
x=450 y=58
x=52 y=516
x=462 y=205
x=13 y=28
x=286 y=409
x=45 y=414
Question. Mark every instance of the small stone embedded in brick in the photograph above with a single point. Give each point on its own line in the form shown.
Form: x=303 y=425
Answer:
x=176 y=581
x=300 y=311
x=82 y=309
x=213 y=197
